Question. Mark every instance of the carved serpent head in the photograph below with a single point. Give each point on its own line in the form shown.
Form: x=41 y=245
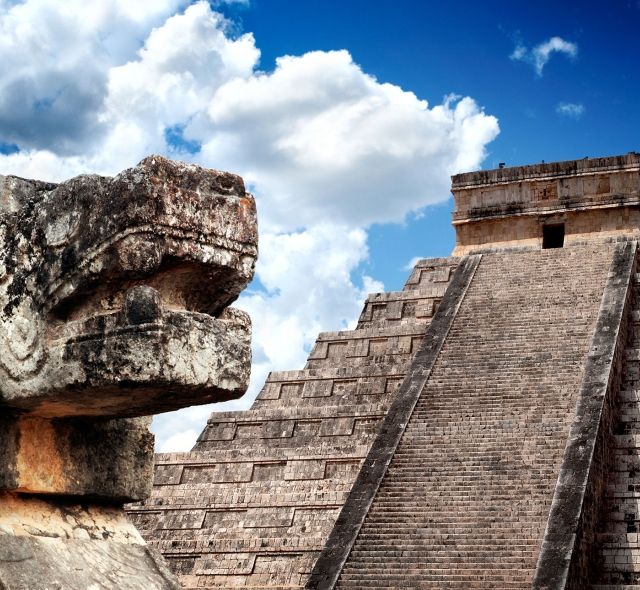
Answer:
x=114 y=292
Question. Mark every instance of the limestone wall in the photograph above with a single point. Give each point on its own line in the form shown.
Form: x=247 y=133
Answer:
x=507 y=207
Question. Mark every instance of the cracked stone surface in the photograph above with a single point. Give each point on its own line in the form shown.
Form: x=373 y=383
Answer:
x=114 y=291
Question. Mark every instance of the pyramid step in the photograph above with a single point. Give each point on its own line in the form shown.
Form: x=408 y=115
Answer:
x=394 y=308
x=431 y=271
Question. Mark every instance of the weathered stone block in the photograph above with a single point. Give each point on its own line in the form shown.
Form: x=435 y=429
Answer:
x=48 y=544
x=104 y=458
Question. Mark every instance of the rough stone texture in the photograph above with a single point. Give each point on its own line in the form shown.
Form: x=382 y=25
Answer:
x=336 y=550
x=255 y=501
x=113 y=306
x=466 y=497
x=112 y=291
x=28 y=563
x=569 y=541
x=54 y=517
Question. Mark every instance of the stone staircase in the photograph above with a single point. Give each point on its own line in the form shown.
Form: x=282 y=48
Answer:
x=465 y=500
x=466 y=496
x=253 y=503
x=617 y=564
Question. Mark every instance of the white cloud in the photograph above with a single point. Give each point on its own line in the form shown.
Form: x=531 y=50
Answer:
x=540 y=55
x=168 y=81
x=326 y=148
x=55 y=62
x=308 y=288
x=176 y=73
x=409 y=266
x=321 y=133
x=519 y=53
x=570 y=109
x=182 y=441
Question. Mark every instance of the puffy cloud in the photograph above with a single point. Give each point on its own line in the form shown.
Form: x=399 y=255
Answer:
x=308 y=287
x=326 y=148
x=570 y=109
x=317 y=131
x=321 y=133
x=182 y=441
x=176 y=73
x=540 y=55
x=166 y=82
x=55 y=62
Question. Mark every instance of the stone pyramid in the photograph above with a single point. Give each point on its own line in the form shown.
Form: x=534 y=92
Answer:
x=478 y=429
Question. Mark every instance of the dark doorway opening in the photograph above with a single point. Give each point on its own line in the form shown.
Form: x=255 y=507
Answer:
x=553 y=235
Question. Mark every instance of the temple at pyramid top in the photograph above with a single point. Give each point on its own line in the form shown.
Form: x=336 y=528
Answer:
x=546 y=205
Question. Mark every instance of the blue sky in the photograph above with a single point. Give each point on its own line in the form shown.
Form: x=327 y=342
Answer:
x=345 y=117
x=438 y=48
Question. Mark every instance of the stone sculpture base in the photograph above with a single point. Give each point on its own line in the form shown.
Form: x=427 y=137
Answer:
x=62 y=525
x=62 y=545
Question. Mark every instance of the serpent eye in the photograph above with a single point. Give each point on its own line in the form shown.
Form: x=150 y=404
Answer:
x=21 y=341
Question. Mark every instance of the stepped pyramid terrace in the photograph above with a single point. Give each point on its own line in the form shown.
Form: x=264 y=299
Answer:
x=478 y=429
